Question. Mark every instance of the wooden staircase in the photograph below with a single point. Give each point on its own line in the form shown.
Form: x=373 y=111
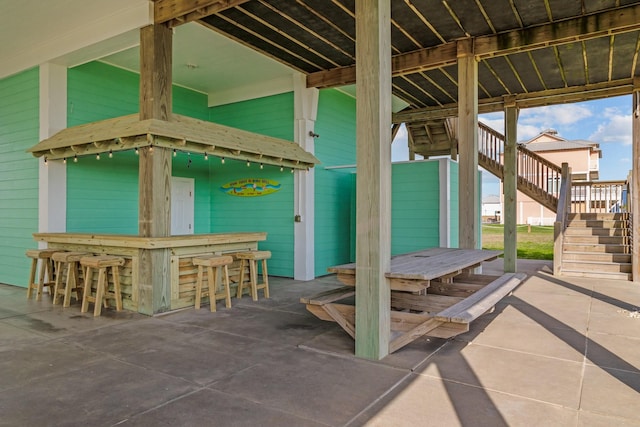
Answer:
x=586 y=244
x=597 y=245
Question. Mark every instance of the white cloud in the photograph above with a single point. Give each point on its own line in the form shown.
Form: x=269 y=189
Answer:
x=555 y=116
x=616 y=128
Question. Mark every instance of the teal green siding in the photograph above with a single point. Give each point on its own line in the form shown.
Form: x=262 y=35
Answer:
x=415 y=210
x=336 y=146
x=453 y=205
x=272 y=213
x=19 y=130
x=102 y=195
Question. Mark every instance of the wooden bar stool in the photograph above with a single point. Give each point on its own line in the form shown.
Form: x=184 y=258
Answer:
x=102 y=263
x=252 y=258
x=213 y=263
x=71 y=261
x=41 y=264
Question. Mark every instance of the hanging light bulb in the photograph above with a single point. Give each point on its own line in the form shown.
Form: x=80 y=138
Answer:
x=111 y=154
x=175 y=153
x=222 y=160
x=206 y=156
x=291 y=170
x=151 y=148
x=137 y=151
x=98 y=156
x=45 y=161
x=261 y=166
x=248 y=163
x=75 y=158
x=281 y=168
x=64 y=160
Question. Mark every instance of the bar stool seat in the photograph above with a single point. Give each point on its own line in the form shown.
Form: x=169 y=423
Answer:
x=213 y=263
x=40 y=264
x=102 y=263
x=252 y=258
x=71 y=261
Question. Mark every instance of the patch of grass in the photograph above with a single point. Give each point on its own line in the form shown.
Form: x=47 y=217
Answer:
x=537 y=244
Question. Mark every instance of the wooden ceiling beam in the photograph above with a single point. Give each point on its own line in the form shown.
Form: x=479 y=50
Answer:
x=178 y=12
x=525 y=100
x=609 y=23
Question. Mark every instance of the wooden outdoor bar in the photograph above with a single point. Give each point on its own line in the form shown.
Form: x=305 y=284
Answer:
x=177 y=289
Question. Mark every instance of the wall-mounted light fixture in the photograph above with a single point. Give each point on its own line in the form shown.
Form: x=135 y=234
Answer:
x=312 y=134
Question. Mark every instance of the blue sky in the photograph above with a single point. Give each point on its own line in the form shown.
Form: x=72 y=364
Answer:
x=605 y=121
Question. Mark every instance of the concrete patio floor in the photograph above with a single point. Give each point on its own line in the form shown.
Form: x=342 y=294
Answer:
x=558 y=352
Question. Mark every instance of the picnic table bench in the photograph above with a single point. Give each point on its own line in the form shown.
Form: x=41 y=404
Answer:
x=433 y=292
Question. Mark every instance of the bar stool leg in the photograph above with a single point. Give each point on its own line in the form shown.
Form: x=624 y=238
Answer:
x=43 y=269
x=116 y=288
x=211 y=283
x=87 y=290
x=32 y=277
x=253 y=272
x=265 y=278
x=199 y=288
x=100 y=291
x=227 y=290
x=58 y=282
x=72 y=279
x=243 y=265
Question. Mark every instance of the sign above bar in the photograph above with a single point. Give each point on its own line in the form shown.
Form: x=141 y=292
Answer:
x=250 y=187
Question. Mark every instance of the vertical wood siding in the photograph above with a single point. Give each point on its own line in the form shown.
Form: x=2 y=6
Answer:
x=273 y=213
x=19 y=130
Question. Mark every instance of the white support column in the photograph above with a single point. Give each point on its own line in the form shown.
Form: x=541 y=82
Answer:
x=373 y=163
x=52 y=183
x=445 y=202
x=468 y=144
x=306 y=112
x=509 y=187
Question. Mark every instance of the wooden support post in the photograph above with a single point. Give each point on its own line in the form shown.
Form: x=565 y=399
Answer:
x=154 y=214
x=510 y=187
x=635 y=185
x=373 y=162
x=468 y=145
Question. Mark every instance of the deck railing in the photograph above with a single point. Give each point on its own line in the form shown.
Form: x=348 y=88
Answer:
x=599 y=197
x=537 y=177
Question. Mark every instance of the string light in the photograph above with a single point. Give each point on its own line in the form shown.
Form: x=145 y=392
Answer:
x=281 y=168
x=206 y=156
x=261 y=166
x=291 y=170
x=248 y=163
x=222 y=160
x=137 y=151
x=98 y=156
x=151 y=148
x=75 y=158
x=64 y=160
x=175 y=153
x=45 y=161
x=111 y=154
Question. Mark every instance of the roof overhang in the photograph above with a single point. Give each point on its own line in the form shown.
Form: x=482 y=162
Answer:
x=180 y=133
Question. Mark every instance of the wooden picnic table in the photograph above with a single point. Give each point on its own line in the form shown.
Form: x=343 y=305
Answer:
x=455 y=296
x=414 y=271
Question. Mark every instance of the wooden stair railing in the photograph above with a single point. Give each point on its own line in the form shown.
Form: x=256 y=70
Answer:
x=564 y=207
x=538 y=178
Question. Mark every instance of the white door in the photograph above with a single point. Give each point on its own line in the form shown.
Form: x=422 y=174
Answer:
x=182 y=206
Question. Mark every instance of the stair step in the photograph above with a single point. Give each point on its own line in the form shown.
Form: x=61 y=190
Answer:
x=596 y=275
x=596 y=257
x=604 y=240
x=597 y=223
x=585 y=247
x=593 y=231
x=599 y=216
x=600 y=267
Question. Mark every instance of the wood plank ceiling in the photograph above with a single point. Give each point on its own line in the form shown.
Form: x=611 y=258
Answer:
x=538 y=51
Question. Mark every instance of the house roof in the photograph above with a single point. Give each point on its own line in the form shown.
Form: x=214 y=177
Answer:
x=549 y=140
x=179 y=133
x=491 y=199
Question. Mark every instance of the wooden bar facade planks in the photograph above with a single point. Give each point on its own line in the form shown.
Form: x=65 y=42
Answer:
x=181 y=274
